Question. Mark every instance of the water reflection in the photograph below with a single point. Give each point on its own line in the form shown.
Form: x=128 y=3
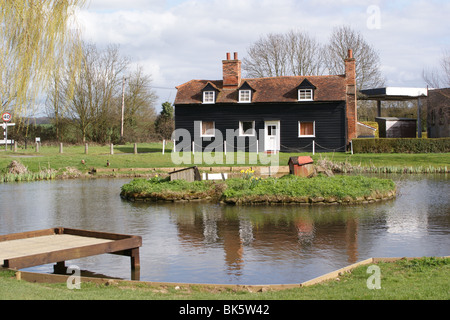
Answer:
x=198 y=242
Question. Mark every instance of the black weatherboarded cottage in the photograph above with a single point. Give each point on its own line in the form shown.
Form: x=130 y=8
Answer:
x=268 y=114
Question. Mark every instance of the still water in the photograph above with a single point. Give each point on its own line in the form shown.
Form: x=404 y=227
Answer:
x=211 y=243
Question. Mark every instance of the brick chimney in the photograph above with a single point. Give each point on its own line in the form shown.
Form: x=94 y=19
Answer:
x=351 y=103
x=231 y=72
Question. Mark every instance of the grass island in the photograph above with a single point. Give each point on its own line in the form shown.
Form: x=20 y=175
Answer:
x=252 y=190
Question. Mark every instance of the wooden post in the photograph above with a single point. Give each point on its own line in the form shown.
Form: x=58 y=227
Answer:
x=37 y=146
x=135 y=264
x=15 y=146
x=60 y=268
x=314 y=147
x=86 y=148
x=135 y=148
x=60 y=147
x=164 y=146
x=111 y=149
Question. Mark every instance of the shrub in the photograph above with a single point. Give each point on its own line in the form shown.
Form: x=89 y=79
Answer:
x=401 y=145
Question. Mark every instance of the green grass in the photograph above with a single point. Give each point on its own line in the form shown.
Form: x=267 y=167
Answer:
x=251 y=189
x=150 y=156
x=418 y=279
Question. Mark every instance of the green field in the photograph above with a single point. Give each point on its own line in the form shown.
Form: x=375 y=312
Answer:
x=150 y=156
x=418 y=279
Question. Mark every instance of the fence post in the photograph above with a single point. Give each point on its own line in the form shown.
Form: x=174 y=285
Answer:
x=86 y=148
x=135 y=148
x=111 y=149
x=60 y=147
x=37 y=146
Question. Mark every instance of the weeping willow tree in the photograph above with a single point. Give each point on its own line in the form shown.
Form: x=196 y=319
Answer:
x=36 y=37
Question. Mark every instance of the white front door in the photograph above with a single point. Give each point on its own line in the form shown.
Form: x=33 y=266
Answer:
x=271 y=135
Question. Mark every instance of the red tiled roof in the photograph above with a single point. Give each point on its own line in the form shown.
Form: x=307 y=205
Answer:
x=270 y=90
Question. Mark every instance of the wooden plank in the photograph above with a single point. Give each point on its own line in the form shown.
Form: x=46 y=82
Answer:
x=28 y=234
x=66 y=244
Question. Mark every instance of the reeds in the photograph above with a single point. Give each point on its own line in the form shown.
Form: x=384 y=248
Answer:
x=26 y=177
x=346 y=167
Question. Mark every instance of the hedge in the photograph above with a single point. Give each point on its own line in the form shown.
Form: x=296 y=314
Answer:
x=401 y=145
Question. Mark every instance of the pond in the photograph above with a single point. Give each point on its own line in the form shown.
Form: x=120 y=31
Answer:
x=213 y=243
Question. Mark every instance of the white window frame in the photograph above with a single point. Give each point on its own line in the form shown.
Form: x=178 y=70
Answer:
x=306 y=136
x=209 y=94
x=307 y=92
x=241 y=131
x=241 y=92
x=207 y=135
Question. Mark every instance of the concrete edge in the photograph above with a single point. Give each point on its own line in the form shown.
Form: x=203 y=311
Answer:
x=55 y=278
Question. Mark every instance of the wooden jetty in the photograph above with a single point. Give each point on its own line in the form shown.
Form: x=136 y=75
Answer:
x=57 y=245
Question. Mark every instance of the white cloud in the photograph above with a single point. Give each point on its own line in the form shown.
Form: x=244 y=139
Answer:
x=178 y=40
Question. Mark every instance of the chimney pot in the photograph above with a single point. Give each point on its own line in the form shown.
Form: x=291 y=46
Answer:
x=228 y=56
x=350 y=53
x=235 y=56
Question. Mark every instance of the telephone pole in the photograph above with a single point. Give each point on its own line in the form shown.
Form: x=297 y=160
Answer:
x=123 y=108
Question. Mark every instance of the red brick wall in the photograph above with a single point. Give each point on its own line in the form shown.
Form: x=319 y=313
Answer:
x=231 y=72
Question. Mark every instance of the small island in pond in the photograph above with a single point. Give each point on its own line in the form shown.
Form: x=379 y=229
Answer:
x=252 y=190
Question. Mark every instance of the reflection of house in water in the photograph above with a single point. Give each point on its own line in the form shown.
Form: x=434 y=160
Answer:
x=271 y=237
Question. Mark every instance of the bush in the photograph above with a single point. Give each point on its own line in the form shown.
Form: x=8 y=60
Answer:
x=401 y=145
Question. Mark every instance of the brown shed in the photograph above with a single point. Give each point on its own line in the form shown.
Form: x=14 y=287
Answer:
x=301 y=166
x=189 y=174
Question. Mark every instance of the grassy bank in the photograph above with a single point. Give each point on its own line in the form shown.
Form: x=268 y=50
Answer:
x=254 y=190
x=75 y=159
x=419 y=279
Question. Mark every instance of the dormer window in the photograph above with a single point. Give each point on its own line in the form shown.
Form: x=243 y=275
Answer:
x=210 y=93
x=305 y=95
x=245 y=93
x=209 y=96
x=245 y=96
x=306 y=91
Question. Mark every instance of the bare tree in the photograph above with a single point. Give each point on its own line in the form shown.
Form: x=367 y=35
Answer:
x=267 y=57
x=93 y=98
x=305 y=53
x=93 y=103
x=140 y=99
x=368 y=73
x=439 y=77
x=294 y=53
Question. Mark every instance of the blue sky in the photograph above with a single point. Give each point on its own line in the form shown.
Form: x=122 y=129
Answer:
x=179 y=40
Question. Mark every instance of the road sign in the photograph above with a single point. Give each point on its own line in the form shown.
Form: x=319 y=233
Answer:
x=6 y=117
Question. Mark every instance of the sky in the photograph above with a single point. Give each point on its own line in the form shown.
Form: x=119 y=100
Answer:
x=179 y=40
